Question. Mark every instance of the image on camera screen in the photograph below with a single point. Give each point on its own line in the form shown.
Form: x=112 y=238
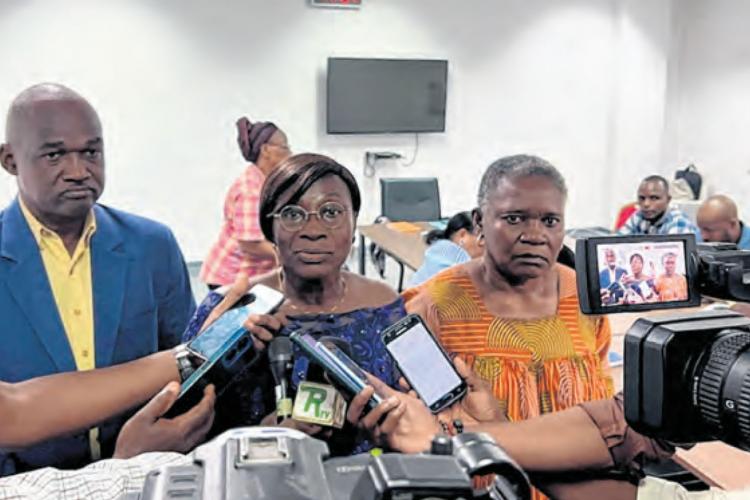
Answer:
x=645 y=272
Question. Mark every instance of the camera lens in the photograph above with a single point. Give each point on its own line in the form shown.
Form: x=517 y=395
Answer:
x=723 y=388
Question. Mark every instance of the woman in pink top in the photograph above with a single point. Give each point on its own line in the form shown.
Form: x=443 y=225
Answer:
x=241 y=245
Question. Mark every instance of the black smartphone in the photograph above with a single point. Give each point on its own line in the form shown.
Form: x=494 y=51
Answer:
x=342 y=370
x=225 y=347
x=423 y=363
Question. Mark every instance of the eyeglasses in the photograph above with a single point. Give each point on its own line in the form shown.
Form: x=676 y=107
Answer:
x=294 y=217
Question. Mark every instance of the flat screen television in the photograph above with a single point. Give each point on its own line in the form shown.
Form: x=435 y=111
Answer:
x=374 y=96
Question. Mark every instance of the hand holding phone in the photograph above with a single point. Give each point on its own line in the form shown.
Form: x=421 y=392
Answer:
x=423 y=363
x=226 y=348
x=341 y=369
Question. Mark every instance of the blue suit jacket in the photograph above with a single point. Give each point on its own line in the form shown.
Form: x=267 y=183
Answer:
x=142 y=303
x=604 y=280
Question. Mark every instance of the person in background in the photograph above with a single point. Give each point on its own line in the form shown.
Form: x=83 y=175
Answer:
x=241 y=245
x=82 y=285
x=513 y=314
x=654 y=216
x=455 y=244
x=670 y=285
x=718 y=221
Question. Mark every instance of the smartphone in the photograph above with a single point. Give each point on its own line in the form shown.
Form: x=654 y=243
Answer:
x=423 y=363
x=260 y=300
x=225 y=347
x=342 y=369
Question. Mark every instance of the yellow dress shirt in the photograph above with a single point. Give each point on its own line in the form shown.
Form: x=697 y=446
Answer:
x=70 y=279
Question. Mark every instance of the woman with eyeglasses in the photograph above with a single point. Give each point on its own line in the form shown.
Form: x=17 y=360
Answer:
x=241 y=247
x=308 y=211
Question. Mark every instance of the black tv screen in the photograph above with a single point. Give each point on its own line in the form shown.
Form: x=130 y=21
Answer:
x=370 y=96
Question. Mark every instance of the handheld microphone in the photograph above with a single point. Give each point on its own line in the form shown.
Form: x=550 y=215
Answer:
x=280 y=360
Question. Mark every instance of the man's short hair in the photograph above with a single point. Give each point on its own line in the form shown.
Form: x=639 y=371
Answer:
x=657 y=178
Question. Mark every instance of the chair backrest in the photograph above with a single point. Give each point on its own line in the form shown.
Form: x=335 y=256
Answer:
x=624 y=214
x=410 y=199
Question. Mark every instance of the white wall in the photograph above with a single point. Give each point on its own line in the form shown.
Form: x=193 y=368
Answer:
x=581 y=83
x=709 y=95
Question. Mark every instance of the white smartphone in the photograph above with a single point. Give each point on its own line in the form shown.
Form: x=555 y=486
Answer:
x=423 y=363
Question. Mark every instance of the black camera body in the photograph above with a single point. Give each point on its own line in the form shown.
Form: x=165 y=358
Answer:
x=265 y=462
x=687 y=377
x=723 y=271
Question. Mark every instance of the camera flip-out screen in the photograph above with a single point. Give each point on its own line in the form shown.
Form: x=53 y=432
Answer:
x=636 y=273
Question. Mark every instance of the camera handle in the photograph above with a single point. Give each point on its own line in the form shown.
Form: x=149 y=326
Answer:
x=480 y=455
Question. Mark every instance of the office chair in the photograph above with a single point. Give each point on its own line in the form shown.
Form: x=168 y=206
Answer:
x=411 y=200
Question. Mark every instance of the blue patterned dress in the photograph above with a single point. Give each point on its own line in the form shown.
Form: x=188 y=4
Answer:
x=252 y=398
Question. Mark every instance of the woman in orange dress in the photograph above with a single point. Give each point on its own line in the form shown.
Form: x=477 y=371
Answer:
x=513 y=314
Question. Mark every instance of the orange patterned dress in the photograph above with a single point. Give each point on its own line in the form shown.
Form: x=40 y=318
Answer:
x=534 y=366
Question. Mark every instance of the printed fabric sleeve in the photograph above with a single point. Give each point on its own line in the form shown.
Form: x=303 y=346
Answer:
x=603 y=343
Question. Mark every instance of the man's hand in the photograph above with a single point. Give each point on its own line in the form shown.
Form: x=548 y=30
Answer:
x=402 y=421
x=478 y=405
x=148 y=431
x=238 y=289
x=262 y=327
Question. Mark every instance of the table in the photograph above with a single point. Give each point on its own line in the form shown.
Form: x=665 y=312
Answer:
x=405 y=247
x=716 y=463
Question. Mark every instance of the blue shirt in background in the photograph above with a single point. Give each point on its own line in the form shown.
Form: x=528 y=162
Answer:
x=744 y=243
x=438 y=256
x=674 y=221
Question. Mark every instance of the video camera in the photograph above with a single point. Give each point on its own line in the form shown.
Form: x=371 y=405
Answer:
x=262 y=462
x=687 y=376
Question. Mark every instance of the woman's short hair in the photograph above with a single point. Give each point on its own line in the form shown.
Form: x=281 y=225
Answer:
x=293 y=177
x=640 y=257
x=513 y=167
x=462 y=220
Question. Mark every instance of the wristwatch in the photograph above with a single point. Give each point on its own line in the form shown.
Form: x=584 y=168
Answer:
x=183 y=357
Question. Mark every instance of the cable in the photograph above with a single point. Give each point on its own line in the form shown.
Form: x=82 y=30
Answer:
x=416 y=150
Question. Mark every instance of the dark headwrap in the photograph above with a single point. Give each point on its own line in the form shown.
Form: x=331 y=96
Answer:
x=251 y=136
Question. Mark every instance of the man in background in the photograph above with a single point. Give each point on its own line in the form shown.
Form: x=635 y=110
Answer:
x=718 y=221
x=83 y=285
x=654 y=215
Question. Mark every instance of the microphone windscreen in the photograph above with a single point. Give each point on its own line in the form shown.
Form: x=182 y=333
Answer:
x=280 y=349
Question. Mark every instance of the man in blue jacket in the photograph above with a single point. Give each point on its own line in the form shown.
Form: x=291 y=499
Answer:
x=610 y=275
x=82 y=285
